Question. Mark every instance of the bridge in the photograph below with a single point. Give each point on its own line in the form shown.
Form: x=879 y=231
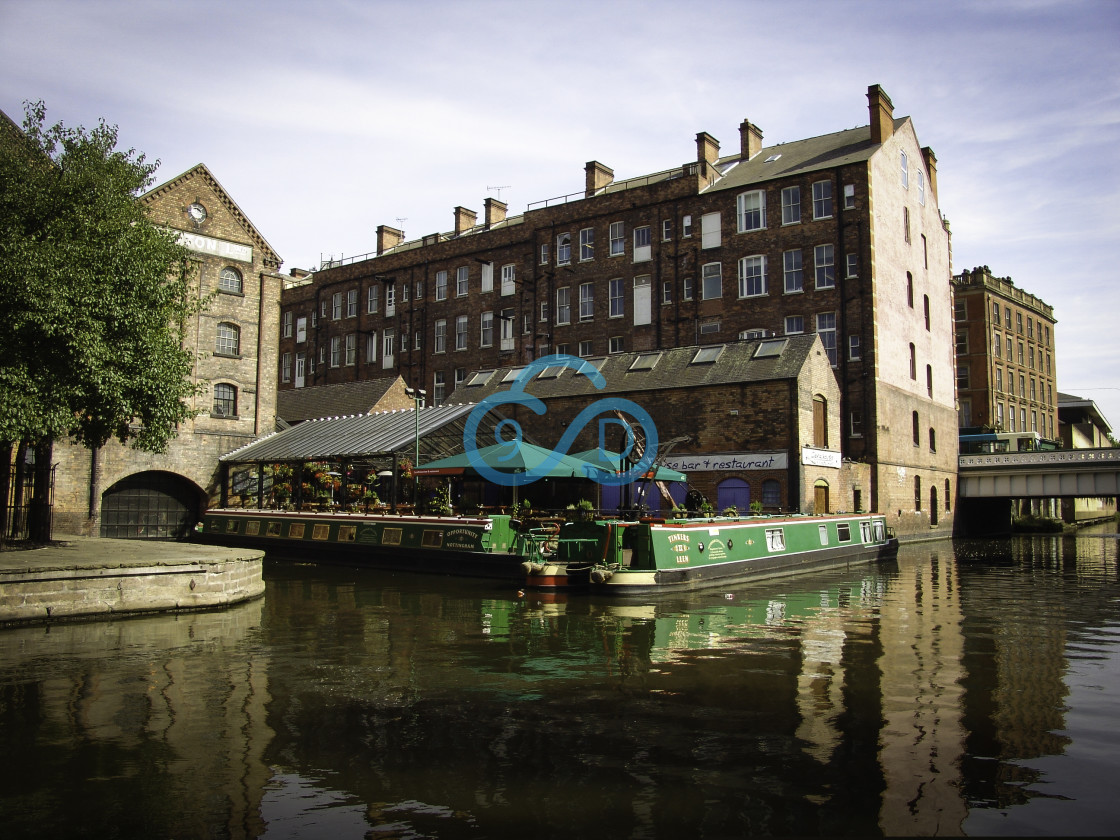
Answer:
x=986 y=484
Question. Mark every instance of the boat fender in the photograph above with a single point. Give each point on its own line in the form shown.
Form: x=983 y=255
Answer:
x=531 y=568
x=600 y=575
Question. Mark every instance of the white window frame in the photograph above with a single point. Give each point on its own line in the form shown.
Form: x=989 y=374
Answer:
x=439 y=336
x=586 y=244
x=643 y=306
x=822 y=200
x=826 y=329
x=351 y=350
x=486 y=329
x=389 y=348
x=301 y=329
x=563 y=305
x=587 y=301
x=618 y=239
x=751 y=211
x=336 y=306
x=287 y=324
x=373 y=299
x=336 y=351
x=797 y=322
x=905 y=174
x=615 y=298
x=711 y=273
x=711 y=231
x=564 y=249
x=509 y=279
x=793 y=272
x=462 y=281
x=441 y=285
x=752 y=276
x=791 y=205
x=824 y=266
x=461 y=332
x=643 y=245
x=486 y=281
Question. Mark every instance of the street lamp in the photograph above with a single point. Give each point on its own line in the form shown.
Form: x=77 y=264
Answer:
x=417 y=395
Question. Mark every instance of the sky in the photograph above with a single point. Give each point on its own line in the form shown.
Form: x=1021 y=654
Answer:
x=326 y=119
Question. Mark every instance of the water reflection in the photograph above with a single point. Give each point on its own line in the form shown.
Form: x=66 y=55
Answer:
x=956 y=691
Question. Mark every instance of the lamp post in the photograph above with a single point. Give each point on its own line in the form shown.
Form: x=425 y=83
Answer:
x=417 y=395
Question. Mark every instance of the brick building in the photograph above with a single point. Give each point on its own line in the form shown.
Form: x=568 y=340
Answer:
x=1006 y=371
x=838 y=235
x=117 y=491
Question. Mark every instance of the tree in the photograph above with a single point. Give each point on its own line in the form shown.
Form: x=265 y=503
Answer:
x=93 y=295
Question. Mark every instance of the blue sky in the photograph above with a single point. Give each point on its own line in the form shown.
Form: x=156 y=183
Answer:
x=325 y=119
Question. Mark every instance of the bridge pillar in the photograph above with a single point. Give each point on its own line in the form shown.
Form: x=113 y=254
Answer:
x=982 y=517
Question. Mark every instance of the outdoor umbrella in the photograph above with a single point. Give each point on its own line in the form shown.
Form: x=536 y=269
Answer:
x=610 y=461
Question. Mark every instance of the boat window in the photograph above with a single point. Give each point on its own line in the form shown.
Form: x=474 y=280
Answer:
x=295 y=530
x=865 y=531
x=252 y=528
x=432 y=539
x=823 y=530
x=843 y=532
x=880 y=535
x=391 y=536
x=346 y=533
x=273 y=529
x=775 y=539
x=231 y=526
x=320 y=531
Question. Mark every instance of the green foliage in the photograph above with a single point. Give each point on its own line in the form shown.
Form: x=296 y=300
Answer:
x=756 y=507
x=93 y=296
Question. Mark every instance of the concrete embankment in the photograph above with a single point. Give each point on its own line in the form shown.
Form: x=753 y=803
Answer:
x=84 y=577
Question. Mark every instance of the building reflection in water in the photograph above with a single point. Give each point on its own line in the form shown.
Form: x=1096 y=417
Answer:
x=899 y=699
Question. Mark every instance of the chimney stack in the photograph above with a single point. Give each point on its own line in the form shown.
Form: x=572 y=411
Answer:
x=707 y=148
x=931 y=167
x=464 y=219
x=750 y=140
x=493 y=211
x=597 y=177
x=388 y=238
x=882 y=114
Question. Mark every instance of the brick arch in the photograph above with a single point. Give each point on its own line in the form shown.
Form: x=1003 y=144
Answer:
x=152 y=505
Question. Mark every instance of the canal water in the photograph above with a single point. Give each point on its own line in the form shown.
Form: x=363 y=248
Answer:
x=971 y=688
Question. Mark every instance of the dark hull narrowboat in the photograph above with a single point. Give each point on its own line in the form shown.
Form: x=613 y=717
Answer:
x=486 y=546
x=643 y=557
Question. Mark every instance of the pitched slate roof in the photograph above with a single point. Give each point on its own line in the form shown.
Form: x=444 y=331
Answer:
x=300 y=404
x=756 y=360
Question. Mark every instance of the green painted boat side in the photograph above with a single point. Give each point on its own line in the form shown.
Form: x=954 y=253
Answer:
x=686 y=554
x=489 y=546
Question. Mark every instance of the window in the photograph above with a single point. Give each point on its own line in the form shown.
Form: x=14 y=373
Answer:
x=712 y=282
x=791 y=205
x=999 y=415
x=225 y=399
x=909 y=289
x=509 y=279
x=686 y=288
x=229 y=340
x=336 y=351
x=563 y=249
x=666 y=230
x=826 y=329
x=486 y=278
x=1030 y=328
x=905 y=175
x=618 y=242
x=853 y=265
x=419 y=290
x=373 y=297
x=921 y=187
x=1020 y=352
x=643 y=306
x=925 y=252
x=771 y=493
x=751 y=211
x=461 y=332
x=997 y=344
x=352 y=303
x=709 y=328
x=585 y=349
x=642 y=248
x=439 y=387
x=710 y=230
x=995 y=312
x=1019 y=322
x=963 y=378
x=794 y=324
x=913 y=362
x=999 y=380
x=336 y=306
x=917 y=492
x=1010 y=354
x=440 y=336
x=371 y=347
x=854 y=354
x=750 y=335
x=824 y=264
x=915 y=432
x=962 y=341
x=286 y=325
x=286 y=367
x=791 y=271
x=388 y=348
x=544 y=310
x=616 y=344
x=460 y=376
x=614 y=288
x=849 y=196
x=929 y=380
x=1007 y=317
x=822 y=200
x=486 y=330
x=820 y=422
x=229 y=280
x=775 y=539
x=390 y=300
x=564 y=305
x=462 y=281
x=586 y=244
x=325 y=307
x=855 y=425
x=544 y=254
x=906 y=225
x=686 y=227
x=586 y=301
x=505 y=329
x=666 y=292
x=352 y=349
x=301 y=329
x=752 y=276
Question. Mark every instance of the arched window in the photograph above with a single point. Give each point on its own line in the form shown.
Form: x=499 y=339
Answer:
x=225 y=400
x=917 y=493
x=913 y=362
x=933 y=504
x=947 y=508
x=229 y=280
x=916 y=430
x=229 y=339
x=925 y=306
x=909 y=289
x=929 y=379
x=771 y=493
x=932 y=440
